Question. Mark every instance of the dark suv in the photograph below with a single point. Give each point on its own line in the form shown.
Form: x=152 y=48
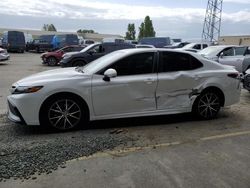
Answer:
x=91 y=53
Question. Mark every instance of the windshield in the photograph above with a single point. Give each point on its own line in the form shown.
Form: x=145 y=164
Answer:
x=212 y=50
x=102 y=62
x=88 y=47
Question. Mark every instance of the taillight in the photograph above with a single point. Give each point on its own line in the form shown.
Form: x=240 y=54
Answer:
x=235 y=75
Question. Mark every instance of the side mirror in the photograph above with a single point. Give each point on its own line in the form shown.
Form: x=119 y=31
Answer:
x=110 y=73
x=221 y=55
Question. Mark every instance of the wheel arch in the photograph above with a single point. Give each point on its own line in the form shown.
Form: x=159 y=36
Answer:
x=78 y=59
x=218 y=91
x=55 y=95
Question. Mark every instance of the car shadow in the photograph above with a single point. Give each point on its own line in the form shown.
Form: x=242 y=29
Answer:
x=111 y=124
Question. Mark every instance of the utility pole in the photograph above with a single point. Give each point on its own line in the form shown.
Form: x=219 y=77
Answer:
x=212 y=22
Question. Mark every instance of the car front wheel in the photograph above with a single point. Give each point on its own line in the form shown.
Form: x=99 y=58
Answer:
x=207 y=105
x=62 y=113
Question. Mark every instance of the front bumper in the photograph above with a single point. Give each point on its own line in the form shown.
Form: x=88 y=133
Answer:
x=4 y=57
x=14 y=115
x=23 y=109
x=65 y=63
x=44 y=60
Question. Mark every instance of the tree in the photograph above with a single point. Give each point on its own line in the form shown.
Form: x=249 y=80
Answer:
x=141 y=31
x=48 y=27
x=130 y=34
x=146 y=29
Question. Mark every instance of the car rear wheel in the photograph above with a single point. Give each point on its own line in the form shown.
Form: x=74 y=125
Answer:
x=51 y=61
x=63 y=113
x=207 y=105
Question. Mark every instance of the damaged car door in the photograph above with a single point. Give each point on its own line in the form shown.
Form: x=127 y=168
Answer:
x=178 y=80
x=132 y=90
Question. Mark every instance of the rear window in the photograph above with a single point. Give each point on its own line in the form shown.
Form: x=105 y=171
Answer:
x=174 y=61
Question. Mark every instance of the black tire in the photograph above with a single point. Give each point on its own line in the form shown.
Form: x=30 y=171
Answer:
x=37 y=49
x=207 y=105
x=52 y=61
x=78 y=63
x=63 y=113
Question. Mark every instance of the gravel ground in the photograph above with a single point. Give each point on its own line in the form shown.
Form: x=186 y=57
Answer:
x=29 y=151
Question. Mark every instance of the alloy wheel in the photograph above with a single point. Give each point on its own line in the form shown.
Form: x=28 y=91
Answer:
x=64 y=114
x=209 y=105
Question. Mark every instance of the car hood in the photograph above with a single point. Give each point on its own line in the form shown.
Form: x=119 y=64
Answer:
x=71 y=53
x=51 y=75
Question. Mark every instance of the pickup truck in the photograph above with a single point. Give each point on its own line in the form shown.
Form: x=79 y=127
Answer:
x=39 y=45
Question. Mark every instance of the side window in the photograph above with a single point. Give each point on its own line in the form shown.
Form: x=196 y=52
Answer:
x=68 y=49
x=205 y=45
x=197 y=46
x=134 y=64
x=228 y=52
x=174 y=61
x=98 y=49
x=240 y=51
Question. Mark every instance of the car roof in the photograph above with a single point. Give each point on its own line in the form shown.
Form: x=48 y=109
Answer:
x=155 y=49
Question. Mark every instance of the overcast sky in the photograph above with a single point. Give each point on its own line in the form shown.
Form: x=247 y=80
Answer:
x=174 y=18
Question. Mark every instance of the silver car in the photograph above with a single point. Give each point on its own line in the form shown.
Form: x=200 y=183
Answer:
x=246 y=80
x=237 y=56
x=4 y=54
x=125 y=83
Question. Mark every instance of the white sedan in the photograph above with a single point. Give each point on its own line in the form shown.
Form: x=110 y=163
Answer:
x=125 y=83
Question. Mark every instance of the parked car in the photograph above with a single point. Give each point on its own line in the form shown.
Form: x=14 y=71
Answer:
x=246 y=80
x=4 y=54
x=194 y=47
x=237 y=56
x=91 y=52
x=53 y=58
x=158 y=42
x=177 y=45
x=14 y=41
x=125 y=83
x=39 y=45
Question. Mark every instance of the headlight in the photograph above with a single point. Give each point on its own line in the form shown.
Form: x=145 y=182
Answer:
x=26 y=89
